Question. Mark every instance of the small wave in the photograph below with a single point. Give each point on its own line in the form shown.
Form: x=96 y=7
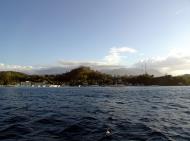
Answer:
x=15 y=131
x=146 y=119
x=85 y=129
x=48 y=121
x=154 y=107
x=139 y=131
x=178 y=105
x=9 y=108
x=119 y=102
x=158 y=136
x=187 y=112
x=16 y=119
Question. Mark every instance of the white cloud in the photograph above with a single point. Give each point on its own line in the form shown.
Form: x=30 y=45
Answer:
x=113 y=59
x=8 y=67
x=177 y=62
x=116 y=54
x=122 y=50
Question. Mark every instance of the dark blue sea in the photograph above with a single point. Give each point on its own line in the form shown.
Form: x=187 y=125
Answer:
x=84 y=114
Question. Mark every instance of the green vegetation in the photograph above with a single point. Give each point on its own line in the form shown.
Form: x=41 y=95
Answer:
x=86 y=76
x=10 y=77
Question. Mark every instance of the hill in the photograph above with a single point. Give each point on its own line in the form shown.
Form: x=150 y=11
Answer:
x=11 y=77
x=84 y=76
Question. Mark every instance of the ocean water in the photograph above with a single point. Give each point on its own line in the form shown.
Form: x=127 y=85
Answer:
x=84 y=114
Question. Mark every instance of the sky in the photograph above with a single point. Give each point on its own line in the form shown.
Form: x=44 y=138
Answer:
x=125 y=33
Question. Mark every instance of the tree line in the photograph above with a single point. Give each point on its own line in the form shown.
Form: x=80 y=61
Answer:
x=86 y=76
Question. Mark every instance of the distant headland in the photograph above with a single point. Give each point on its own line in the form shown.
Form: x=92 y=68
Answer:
x=85 y=76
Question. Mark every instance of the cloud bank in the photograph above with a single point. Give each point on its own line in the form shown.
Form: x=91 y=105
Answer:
x=116 y=54
x=112 y=60
x=177 y=62
x=8 y=67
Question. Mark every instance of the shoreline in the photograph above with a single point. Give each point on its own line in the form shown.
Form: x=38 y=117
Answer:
x=6 y=86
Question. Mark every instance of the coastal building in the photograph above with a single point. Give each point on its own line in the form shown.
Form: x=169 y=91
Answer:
x=39 y=84
x=54 y=86
x=26 y=84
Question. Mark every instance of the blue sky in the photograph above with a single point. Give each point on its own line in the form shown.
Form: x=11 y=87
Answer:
x=46 y=32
